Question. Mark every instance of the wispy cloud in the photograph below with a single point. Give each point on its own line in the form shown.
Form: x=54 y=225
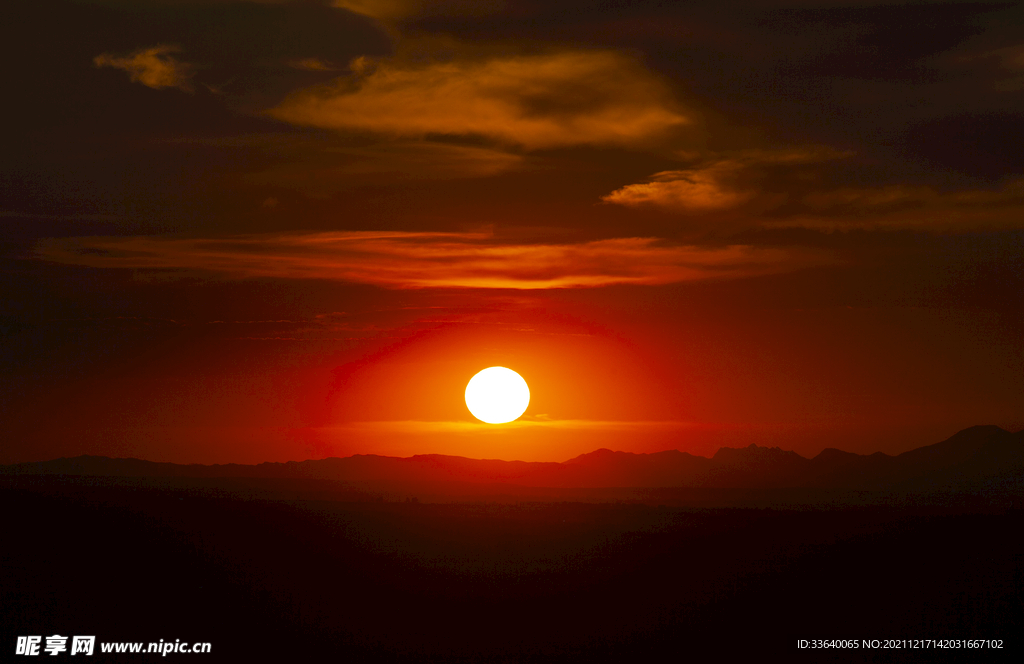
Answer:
x=327 y=171
x=1003 y=67
x=153 y=67
x=534 y=101
x=311 y=64
x=320 y=167
x=431 y=260
x=387 y=10
x=910 y=207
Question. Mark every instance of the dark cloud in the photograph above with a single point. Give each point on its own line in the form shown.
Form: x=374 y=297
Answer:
x=85 y=139
x=923 y=94
x=855 y=75
x=240 y=49
x=989 y=146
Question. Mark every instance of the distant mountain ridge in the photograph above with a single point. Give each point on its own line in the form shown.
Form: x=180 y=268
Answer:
x=976 y=454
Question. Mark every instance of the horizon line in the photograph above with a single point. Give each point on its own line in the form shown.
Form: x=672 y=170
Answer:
x=455 y=456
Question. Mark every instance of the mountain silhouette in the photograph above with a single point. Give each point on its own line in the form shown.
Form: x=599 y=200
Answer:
x=977 y=454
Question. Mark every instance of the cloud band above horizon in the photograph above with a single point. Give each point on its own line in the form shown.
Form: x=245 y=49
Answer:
x=431 y=260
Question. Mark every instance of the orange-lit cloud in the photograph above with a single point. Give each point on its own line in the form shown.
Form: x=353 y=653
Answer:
x=153 y=67
x=533 y=101
x=430 y=260
x=766 y=188
x=698 y=189
x=386 y=10
x=720 y=183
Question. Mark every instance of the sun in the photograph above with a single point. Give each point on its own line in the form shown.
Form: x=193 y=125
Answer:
x=497 y=395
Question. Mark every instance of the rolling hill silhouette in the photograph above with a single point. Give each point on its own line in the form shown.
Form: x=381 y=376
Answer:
x=976 y=454
x=448 y=559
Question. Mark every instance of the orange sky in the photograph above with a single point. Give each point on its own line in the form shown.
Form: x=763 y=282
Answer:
x=269 y=231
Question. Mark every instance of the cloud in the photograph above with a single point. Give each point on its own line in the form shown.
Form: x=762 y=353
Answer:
x=311 y=64
x=533 y=101
x=698 y=189
x=389 y=10
x=153 y=67
x=719 y=183
x=430 y=260
x=1001 y=67
x=1011 y=59
x=767 y=189
x=320 y=167
x=328 y=171
x=910 y=207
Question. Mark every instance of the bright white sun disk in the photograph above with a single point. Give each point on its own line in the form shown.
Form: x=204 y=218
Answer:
x=497 y=395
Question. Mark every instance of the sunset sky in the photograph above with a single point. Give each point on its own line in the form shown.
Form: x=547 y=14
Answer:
x=270 y=231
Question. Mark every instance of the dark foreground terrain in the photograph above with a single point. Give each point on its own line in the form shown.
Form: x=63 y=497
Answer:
x=349 y=577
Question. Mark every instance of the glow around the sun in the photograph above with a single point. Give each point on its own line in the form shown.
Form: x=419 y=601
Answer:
x=497 y=395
